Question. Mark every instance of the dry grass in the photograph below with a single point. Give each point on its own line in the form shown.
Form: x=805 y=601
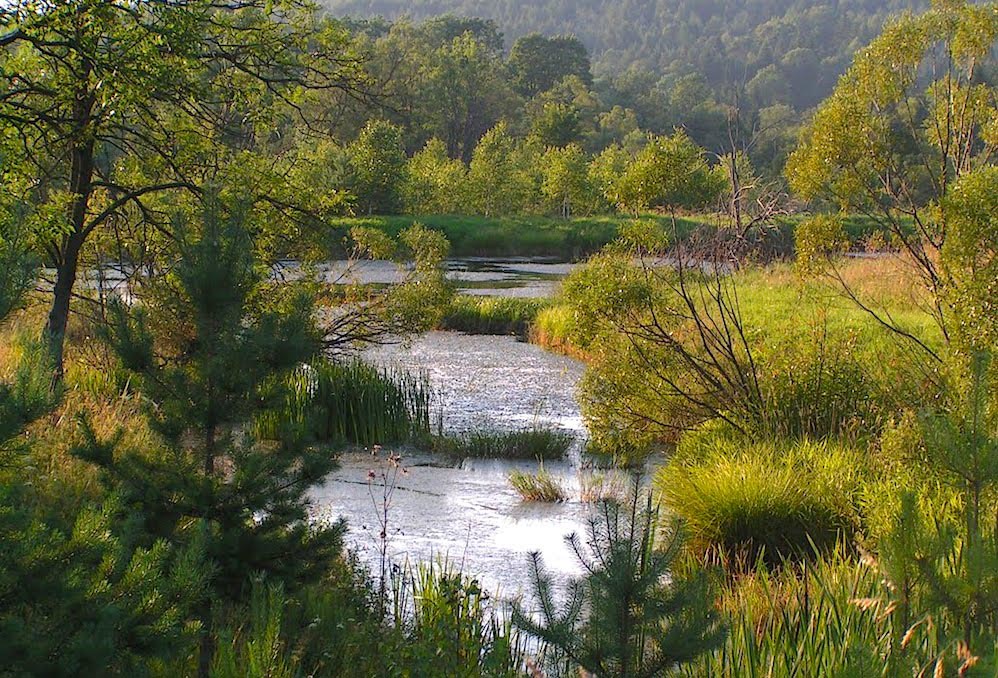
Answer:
x=540 y=486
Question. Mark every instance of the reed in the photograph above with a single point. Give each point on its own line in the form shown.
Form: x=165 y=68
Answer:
x=492 y=315
x=356 y=403
x=534 y=443
x=601 y=485
x=540 y=486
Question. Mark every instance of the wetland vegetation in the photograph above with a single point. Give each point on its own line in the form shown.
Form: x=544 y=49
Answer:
x=338 y=347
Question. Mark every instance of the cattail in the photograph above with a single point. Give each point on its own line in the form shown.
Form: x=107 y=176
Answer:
x=865 y=604
x=888 y=611
x=967 y=665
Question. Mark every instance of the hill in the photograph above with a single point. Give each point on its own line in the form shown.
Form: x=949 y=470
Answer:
x=777 y=49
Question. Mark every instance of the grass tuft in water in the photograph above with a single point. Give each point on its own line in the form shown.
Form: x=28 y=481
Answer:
x=596 y=486
x=357 y=403
x=492 y=315
x=534 y=443
x=540 y=486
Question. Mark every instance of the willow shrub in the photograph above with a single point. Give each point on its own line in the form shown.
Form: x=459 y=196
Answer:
x=743 y=503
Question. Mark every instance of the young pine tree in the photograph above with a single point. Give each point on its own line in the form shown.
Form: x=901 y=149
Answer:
x=84 y=598
x=211 y=343
x=630 y=615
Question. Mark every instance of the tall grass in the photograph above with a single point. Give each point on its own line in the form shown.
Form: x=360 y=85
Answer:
x=766 y=501
x=451 y=628
x=533 y=443
x=836 y=616
x=492 y=315
x=355 y=403
x=440 y=623
x=554 y=329
x=540 y=486
x=808 y=625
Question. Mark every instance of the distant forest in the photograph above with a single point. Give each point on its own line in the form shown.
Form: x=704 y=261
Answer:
x=774 y=51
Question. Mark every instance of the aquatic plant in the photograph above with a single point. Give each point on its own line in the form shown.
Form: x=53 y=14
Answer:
x=534 y=443
x=355 y=402
x=602 y=485
x=540 y=486
x=452 y=628
x=492 y=315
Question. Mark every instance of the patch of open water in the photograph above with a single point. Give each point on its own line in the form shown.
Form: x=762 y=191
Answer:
x=469 y=515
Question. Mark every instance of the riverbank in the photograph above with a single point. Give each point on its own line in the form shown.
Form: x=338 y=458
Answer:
x=575 y=239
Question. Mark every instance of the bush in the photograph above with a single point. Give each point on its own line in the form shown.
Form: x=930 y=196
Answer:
x=821 y=389
x=743 y=504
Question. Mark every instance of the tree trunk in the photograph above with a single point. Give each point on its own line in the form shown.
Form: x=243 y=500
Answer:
x=206 y=650
x=62 y=293
x=81 y=174
x=80 y=186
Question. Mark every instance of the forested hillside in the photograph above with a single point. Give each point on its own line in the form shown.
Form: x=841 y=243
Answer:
x=783 y=51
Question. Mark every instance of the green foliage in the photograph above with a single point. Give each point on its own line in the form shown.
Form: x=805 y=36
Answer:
x=440 y=623
x=823 y=389
x=379 y=162
x=492 y=315
x=971 y=256
x=210 y=345
x=670 y=173
x=260 y=652
x=535 y=236
x=91 y=600
x=566 y=182
x=116 y=115
x=452 y=629
x=816 y=239
x=556 y=125
x=434 y=183
x=353 y=402
x=955 y=558
x=802 y=45
x=498 y=178
x=537 y=63
x=632 y=614
x=533 y=443
x=817 y=622
x=745 y=502
x=883 y=144
x=88 y=597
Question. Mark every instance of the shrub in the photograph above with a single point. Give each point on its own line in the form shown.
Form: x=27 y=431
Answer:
x=821 y=389
x=743 y=504
x=540 y=486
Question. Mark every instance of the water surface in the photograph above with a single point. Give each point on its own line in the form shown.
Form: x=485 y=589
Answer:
x=468 y=514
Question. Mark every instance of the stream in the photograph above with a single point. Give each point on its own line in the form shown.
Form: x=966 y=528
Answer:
x=469 y=516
